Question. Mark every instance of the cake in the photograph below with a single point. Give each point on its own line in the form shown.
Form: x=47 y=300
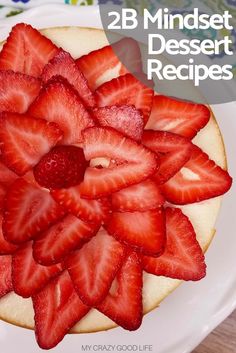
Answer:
x=199 y=212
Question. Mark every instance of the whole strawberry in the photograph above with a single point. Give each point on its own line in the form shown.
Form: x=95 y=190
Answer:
x=62 y=167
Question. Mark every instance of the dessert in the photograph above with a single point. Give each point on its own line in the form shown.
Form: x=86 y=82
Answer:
x=100 y=218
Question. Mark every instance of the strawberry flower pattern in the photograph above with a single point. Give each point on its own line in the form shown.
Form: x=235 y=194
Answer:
x=89 y=171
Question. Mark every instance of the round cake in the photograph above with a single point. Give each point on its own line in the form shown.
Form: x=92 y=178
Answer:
x=203 y=215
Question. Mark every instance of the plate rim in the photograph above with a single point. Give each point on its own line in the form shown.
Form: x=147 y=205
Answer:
x=35 y=16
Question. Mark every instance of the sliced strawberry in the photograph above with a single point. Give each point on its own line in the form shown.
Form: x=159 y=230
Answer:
x=57 y=309
x=26 y=51
x=180 y=117
x=60 y=239
x=28 y=211
x=123 y=304
x=59 y=102
x=143 y=231
x=29 y=177
x=17 y=91
x=96 y=211
x=105 y=62
x=183 y=257
x=125 y=119
x=128 y=51
x=25 y=140
x=6 y=248
x=131 y=162
x=94 y=267
x=173 y=150
x=127 y=90
x=199 y=180
x=5 y=275
x=64 y=65
x=140 y=197
x=2 y=196
x=28 y=277
x=7 y=177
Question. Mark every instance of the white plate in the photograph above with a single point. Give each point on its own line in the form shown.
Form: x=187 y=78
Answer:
x=188 y=315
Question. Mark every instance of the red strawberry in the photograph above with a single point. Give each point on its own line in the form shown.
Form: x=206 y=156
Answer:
x=62 y=167
x=28 y=277
x=131 y=162
x=125 y=119
x=126 y=90
x=183 y=257
x=26 y=51
x=60 y=239
x=174 y=152
x=5 y=275
x=140 y=197
x=96 y=211
x=57 y=309
x=6 y=175
x=6 y=248
x=123 y=304
x=63 y=64
x=143 y=231
x=29 y=210
x=59 y=102
x=94 y=267
x=199 y=180
x=180 y=117
x=25 y=140
x=106 y=61
x=17 y=91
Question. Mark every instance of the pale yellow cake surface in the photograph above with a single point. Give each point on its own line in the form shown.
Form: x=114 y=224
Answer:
x=19 y=311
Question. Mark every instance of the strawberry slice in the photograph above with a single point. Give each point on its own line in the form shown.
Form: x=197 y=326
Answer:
x=143 y=231
x=57 y=309
x=6 y=248
x=28 y=211
x=183 y=257
x=173 y=150
x=128 y=51
x=105 y=62
x=25 y=140
x=96 y=211
x=123 y=304
x=131 y=162
x=2 y=196
x=7 y=177
x=59 y=102
x=180 y=117
x=28 y=277
x=127 y=90
x=17 y=91
x=94 y=267
x=64 y=65
x=26 y=51
x=5 y=275
x=29 y=177
x=62 y=238
x=140 y=197
x=199 y=180
x=126 y=119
